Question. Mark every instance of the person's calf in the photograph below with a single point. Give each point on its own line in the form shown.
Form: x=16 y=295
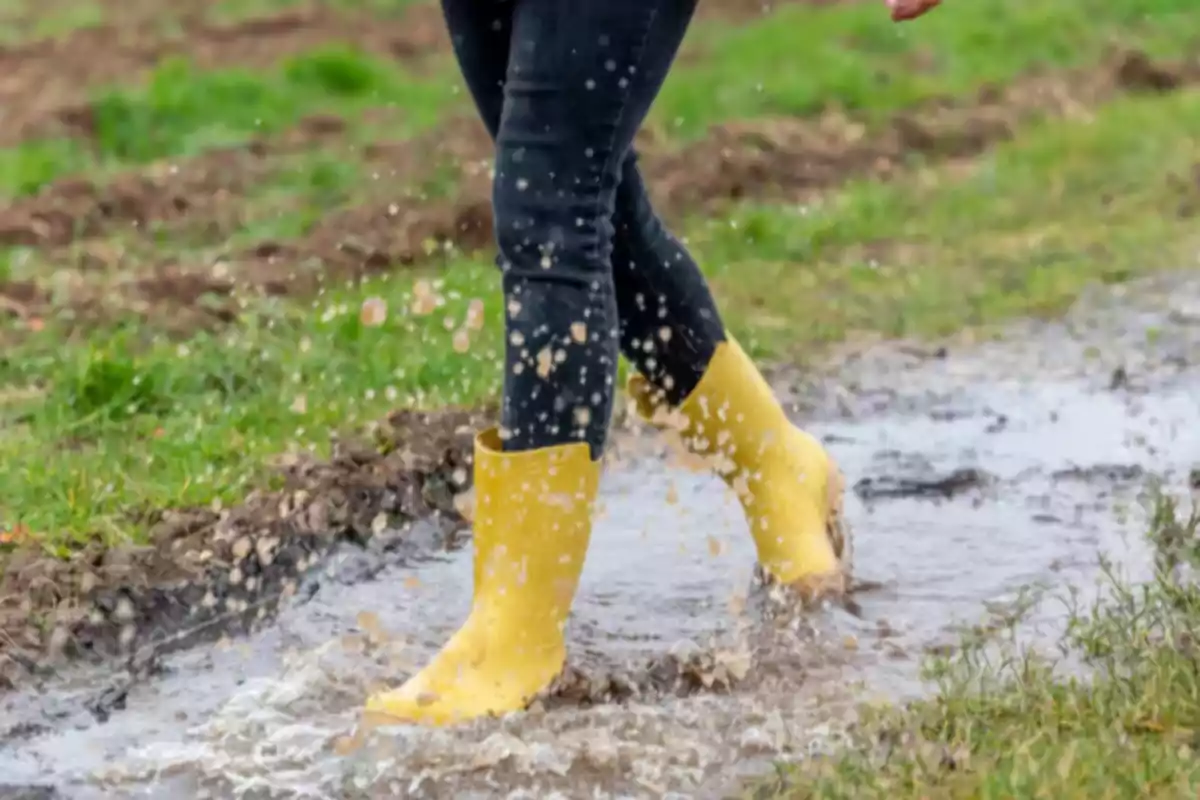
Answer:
x=788 y=484
x=670 y=326
x=561 y=351
x=560 y=364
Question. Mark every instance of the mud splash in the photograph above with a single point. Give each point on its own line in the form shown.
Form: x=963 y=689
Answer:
x=205 y=572
x=1064 y=452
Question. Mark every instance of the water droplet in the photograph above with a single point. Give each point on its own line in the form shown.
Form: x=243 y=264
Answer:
x=545 y=361
x=373 y=312
x=475 y=315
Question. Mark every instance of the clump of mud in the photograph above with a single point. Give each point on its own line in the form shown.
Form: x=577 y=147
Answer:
x=206 y=573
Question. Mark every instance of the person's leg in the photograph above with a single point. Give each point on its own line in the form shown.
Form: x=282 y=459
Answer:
x=481 y=34
x=670 y=326
x=695 y=379
x=581 y=75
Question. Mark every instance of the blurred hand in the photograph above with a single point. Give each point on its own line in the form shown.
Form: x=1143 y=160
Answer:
x=910 y=9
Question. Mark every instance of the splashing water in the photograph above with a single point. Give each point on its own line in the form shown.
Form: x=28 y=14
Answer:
x=980 y=472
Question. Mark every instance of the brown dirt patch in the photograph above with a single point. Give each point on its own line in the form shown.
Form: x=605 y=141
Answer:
x=72 y=222
x=204 y=574
x=790 y=158
x=44 y=82
x=393 y=229
x=781 y=158
x=21 y=299
x=764 y=159
x=79 y=208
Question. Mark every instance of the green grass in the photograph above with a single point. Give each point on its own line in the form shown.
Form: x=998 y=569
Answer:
x=182 y=111
x=230 y=10
x=126 y=425
x=23 y=21
x=837 y=52
x=299 y=193
x=1009 y=723
x=801 y=59
x=797 y=61
x=1022 y=232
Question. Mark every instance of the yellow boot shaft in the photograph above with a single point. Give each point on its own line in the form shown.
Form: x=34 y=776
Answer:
x=533 y=522
x=533 y=515
x=788 y=485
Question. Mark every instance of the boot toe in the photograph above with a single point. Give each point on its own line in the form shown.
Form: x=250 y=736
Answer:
x=417 y=703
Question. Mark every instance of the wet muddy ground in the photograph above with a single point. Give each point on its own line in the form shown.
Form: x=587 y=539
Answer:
x=980 y=469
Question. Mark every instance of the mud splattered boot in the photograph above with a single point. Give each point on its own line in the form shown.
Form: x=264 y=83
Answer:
x=533 y=518
x=788 y=485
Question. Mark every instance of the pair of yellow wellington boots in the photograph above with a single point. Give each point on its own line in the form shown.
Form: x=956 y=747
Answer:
x=533 y=519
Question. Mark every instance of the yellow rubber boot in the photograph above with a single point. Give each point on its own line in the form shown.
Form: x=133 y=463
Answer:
x=788 y=485
x=533 y=517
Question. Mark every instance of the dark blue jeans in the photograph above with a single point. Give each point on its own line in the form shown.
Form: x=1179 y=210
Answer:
x=588 y=269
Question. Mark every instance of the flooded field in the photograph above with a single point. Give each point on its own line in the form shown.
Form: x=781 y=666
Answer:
x=977 y=470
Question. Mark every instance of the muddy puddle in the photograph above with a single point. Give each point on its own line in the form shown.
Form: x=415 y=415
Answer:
x=977 y=470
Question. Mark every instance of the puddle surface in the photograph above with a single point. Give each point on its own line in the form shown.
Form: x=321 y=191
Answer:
x=979 y=472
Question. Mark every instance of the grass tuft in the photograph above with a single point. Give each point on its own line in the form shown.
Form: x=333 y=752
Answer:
x=338 y=71
x=182 y=111
x=1123 y=720
x=114 y=388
